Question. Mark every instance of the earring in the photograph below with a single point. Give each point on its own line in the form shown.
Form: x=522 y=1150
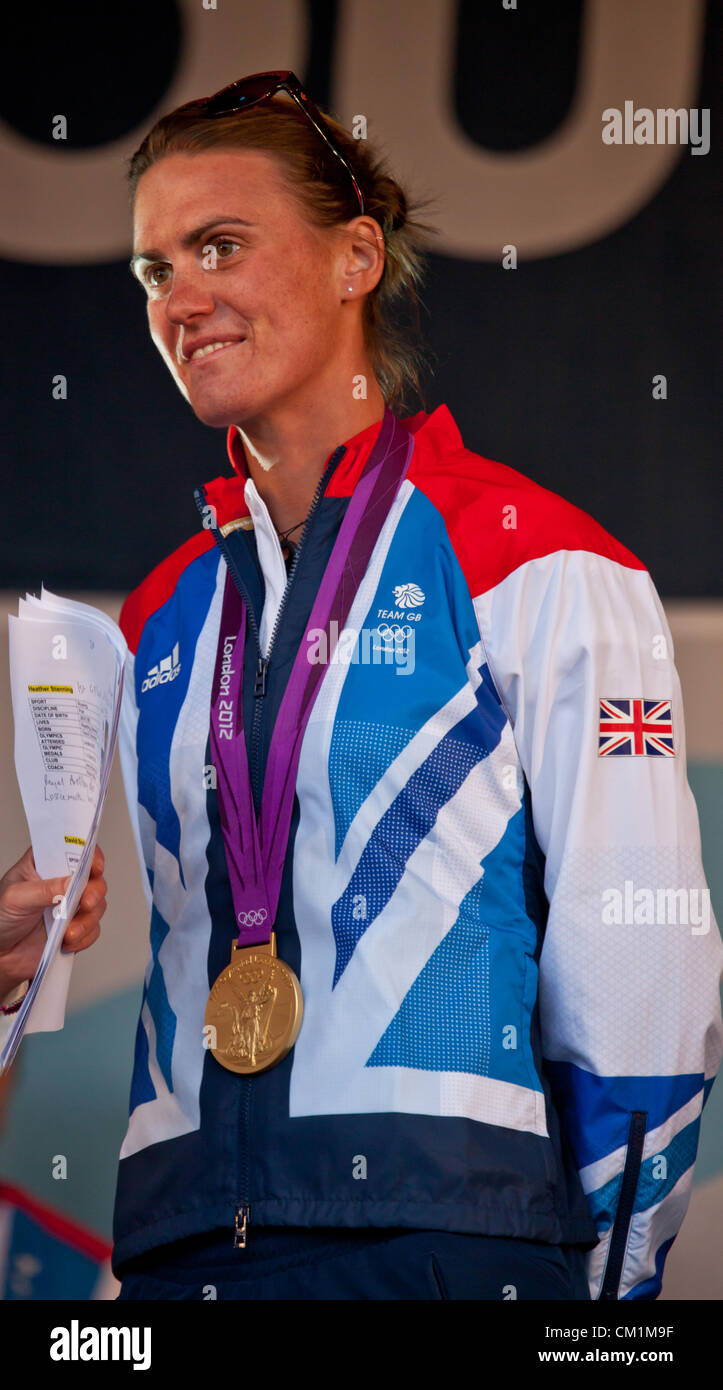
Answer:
x=351 y=289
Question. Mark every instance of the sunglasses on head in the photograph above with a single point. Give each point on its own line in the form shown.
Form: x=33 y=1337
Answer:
x=249 y=91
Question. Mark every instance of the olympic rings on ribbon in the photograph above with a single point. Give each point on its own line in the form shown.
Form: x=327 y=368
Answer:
x=253 y=918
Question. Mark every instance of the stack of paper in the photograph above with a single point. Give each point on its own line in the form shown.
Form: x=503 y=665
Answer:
x=66 y=674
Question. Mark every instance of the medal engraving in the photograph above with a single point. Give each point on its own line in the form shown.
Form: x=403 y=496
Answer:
x=255 y=1008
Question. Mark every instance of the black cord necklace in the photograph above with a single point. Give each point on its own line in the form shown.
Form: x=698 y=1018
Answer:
x=287 y=547
x=283 y=534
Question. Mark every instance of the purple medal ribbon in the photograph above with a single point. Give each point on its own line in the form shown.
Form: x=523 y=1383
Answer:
x=255 y=853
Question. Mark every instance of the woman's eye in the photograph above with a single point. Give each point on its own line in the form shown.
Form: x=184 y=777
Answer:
x=220 y=249
x=155 y=275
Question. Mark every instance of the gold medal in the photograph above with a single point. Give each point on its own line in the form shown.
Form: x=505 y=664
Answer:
x=254 y=1010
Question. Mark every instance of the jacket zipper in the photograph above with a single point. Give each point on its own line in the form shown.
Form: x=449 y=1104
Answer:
x=621 y=1225
x=243 y=1211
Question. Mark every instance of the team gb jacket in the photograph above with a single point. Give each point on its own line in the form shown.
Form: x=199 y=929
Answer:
x=493 y=893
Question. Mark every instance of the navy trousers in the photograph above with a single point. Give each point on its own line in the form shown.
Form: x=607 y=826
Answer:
x=381 y=1263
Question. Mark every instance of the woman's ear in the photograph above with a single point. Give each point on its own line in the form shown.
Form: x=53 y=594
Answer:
x=363 y=261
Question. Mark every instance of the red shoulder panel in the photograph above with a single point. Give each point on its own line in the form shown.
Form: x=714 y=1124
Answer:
x=497 y=518
x=158 y=586
x=62 y=1227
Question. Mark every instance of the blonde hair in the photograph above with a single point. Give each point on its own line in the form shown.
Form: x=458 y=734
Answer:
x=325 y=195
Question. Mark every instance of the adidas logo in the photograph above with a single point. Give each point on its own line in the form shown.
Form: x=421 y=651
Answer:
x=166 y=670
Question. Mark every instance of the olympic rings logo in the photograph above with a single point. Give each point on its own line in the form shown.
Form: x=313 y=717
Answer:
x=394 y=636
x=253 y=918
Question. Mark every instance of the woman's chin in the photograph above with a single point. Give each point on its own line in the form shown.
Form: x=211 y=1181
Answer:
x=218 y=414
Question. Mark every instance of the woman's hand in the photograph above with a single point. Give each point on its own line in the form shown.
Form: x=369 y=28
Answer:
x=23 y=897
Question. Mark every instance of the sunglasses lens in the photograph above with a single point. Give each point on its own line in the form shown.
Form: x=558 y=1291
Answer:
x=240 y=94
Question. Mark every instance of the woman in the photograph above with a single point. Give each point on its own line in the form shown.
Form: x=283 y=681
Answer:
x=389 y=1044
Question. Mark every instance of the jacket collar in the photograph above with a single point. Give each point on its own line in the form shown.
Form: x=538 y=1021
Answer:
x=435 y=434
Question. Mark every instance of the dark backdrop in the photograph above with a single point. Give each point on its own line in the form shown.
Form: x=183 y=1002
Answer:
x=548 y=369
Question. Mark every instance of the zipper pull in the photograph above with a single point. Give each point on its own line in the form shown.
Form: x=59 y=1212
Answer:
x=239 y=1239
x=262 y=666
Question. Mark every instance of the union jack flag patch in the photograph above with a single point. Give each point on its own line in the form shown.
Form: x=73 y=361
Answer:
x=636 y=727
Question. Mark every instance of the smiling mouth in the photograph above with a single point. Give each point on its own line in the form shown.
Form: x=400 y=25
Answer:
x=212 y=348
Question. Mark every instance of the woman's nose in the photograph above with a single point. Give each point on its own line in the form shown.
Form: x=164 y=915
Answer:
x=189 y=295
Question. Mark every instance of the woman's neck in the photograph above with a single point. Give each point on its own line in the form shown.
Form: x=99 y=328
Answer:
x=287 y=461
